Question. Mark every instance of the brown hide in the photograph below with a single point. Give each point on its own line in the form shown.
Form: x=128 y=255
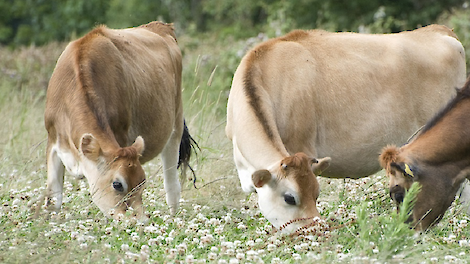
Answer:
x=108 y=89
x=438 y=158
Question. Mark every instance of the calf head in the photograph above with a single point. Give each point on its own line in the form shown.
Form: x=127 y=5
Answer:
x=116 y=178
x=439 y=184
x=290 y=190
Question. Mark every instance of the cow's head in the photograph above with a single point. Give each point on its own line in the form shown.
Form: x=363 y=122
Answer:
x=290 y=190
x=439 y=184
x=116 y=178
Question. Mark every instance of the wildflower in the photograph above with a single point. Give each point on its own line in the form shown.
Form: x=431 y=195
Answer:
x=182 y=248
x=463 y=243
x=132 y=256
x=240 y=256
x=125 y=247
x=276 y=261
x=153 y=242
x=271 y=247
x=228 y=218
x=241 y=226
x=212 y=256
x=206 y=240
x=189 y=259
x=296 y=256
x=234 y=261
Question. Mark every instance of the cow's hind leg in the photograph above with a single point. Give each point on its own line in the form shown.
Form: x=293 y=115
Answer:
x=55 y=179
x=170 y=173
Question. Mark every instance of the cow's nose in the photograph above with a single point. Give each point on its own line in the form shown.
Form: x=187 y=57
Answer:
x=399 y=197
x=397 y=193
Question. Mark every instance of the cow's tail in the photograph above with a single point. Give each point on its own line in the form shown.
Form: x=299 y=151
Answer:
x=187 y=146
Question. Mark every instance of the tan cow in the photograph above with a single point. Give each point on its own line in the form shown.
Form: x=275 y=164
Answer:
x=335 y=95
x=114 y=103
x=438 y=158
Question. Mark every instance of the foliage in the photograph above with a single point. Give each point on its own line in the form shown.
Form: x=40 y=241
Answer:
x=23 y=22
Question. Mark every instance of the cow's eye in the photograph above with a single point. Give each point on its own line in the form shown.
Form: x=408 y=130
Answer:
x=118 y=186
x=289 y=198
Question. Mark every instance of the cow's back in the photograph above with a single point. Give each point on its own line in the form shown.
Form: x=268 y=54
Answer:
x=340 y=94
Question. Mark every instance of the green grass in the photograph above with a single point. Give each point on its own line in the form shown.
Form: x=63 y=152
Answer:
x=217 y=222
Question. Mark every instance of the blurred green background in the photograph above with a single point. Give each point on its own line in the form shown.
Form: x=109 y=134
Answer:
x=24 y=22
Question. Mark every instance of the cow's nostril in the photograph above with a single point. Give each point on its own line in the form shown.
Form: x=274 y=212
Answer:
x=399 y=197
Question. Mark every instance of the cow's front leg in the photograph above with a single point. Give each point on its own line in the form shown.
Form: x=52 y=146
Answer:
x=55 y=181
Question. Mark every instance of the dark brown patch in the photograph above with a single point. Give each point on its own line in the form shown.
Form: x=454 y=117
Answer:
x=255 y=102
x=253 y=74
x=462 y=95
x=84 y=72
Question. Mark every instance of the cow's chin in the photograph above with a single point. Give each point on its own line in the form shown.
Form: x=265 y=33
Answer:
x=282 y=216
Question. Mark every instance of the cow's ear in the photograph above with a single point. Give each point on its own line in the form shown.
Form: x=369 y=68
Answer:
x=406 y=169
x=320 y=165
x=89 y=147
x=261 y=177
x=139 y=145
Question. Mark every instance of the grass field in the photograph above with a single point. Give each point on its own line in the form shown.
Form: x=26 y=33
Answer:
x=217 y=222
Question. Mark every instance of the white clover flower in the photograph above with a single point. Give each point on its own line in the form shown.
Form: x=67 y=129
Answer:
x=228 y=218
x=181 y=248
x=250 y=243
x=276 y=261
x=271 y=247
x=74 y=234
x=150 y=229
x=168 y=240
x=463 y=243
x=240 y=256
x=83 y=246
x=241 y=226
x=214 y=221
x=153 y=242
x=219 y=230
x=132 y=256
x=233 y=261
x=125 y=247
x=189 y=259
x=296 y=256
x=206 y=240
x=197 y=208
x=222 y=261
x=211 y=256
x=259 y=241
x=230 y=252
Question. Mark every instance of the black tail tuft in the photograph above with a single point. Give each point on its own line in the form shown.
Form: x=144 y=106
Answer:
x=187 y=146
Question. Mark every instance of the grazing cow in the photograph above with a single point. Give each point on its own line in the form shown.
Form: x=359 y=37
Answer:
x=111 y=91
x=438 y=158
x=334 y=95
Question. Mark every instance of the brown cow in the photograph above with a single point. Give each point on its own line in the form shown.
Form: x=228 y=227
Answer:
x=438 y=158
x=109 y=89
x=335 y=95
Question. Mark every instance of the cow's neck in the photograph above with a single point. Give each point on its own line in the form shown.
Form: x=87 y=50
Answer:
x=448 y=140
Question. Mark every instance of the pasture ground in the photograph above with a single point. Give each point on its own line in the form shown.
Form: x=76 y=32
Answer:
x=217 y=222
